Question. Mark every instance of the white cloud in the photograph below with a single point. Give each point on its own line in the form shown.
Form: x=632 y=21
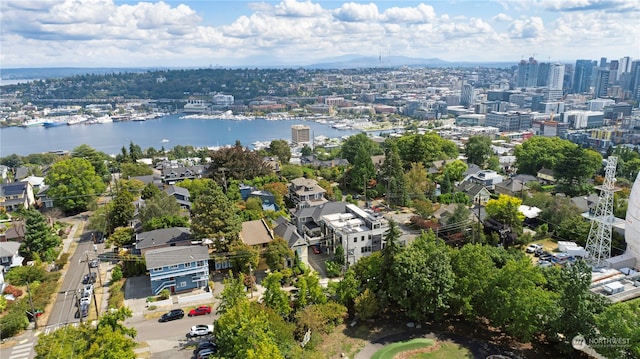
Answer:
x=590 y=5
x=295 y=8
x=502 y=17
x=421 y=13
x=357 y=12
x=527 y=28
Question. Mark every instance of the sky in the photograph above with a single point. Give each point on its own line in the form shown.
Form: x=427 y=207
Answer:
x=203 y=33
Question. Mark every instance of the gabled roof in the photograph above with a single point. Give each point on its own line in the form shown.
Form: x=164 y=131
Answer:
x=163 y=236
x=148 y=179
x=472 y=169
x=287 y=231
x=157 y=258
x=255 y=233
x=318 y=211
x=545 y=171
x=512 y=185
x=9 y=249
x=34 y=180
x=469 y=188
x=584 y=204
x=21 y=172
x=525 y=178
x=173 y=189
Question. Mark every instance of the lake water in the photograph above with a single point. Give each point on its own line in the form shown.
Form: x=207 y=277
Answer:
x=110 y=137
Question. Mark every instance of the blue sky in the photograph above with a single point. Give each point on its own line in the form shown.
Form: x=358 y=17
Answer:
x=198 y=33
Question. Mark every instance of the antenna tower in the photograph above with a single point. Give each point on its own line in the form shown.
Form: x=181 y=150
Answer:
x=599 y=240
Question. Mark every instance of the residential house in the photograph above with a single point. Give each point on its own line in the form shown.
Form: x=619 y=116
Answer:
x=472 y=169
x=272 y=163
x=525 y=178
x=156 y=180
x=443 y=213
x=178 y=268
x=10 y=256
x=476 y=192
x=487 y=178
x=172 y=175
x=545 y=176
x=305 y=192
x=14 y=232
x=307 y=220
x=180 y=194
x=311 y=160
x=16 y=195
x=586 y=204
x=512 y=187
x=378 y=161
x=267 y=198
x=256 y=234
x=161 y=238
x=21 y=173
x=285 y=229
x=43 y=199
x=36 y=182
x=358 y=231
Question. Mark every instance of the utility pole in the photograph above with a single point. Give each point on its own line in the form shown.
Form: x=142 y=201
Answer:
x=77 y=296
x=478 y=234
x=251 y=279
x=33 y=309
x=224 y=177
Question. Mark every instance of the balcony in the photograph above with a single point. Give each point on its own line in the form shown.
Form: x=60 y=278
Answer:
x=165 y=284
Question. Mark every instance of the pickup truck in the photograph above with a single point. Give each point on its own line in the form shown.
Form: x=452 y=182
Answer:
x=200 y=330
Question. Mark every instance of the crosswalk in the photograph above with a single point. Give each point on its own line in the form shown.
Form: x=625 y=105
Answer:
x=52 y=329
x=22 y=351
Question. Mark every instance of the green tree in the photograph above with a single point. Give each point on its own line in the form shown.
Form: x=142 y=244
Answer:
x=478 y=150
x=274 y=297
x=290 y=172
x=150 y=190
x=280 y=149
x=538 y=152
x=310 y=290
x=121 y=210
x=39 y=239
x=366 y=305
x=277 y=254
x=620 y=321
x=245 y=257
x=418 y=184
x=306 y=151
x=233 y=293
x=237 y=163
x=574 y=167
x=121 y=237
x=455 y=170
x=197 y=186
x=213 y=216
x=352 y=146
x=474 y=271
x=25 y=274
x=424 y=208
x=517 y=301
x=159 y=206
x=98 y=160
x=346 y=290
x=425 y=148
x=73 y=184
x=135 y=152
x=393 y=174
x=422 y=278
x=128 y=170
x=362 y=170
x=505 y=210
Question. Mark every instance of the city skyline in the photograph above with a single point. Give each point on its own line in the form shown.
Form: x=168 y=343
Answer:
x=105 y=33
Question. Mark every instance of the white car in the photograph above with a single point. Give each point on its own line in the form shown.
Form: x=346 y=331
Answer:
x=533 y=247
x=200 y=330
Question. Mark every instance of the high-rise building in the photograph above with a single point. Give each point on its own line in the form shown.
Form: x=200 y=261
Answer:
x=527 y=73
x=543 y=74
x=582 y=76
x=625 y=65
x=466 y=96
x=556 y=81
x=300 y=134
x=603 y=62
x=613 y=75
x=634 y=86
x=602 y=83
x=509 y=121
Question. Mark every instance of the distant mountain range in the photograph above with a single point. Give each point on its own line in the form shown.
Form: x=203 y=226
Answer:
x=340 y=62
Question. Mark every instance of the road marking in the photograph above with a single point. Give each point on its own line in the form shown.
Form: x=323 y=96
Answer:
x=21 y=351
x=24 y=341
x=22 y=345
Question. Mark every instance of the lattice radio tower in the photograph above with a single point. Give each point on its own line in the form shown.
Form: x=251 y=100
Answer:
x=599 y=240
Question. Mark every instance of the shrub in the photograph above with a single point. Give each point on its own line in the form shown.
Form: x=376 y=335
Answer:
x=152 y=307
x=164 y=294
x=116 y=273
x=22 y=275
x=333 y=269
x=12 y=323
x=116 y=294
x=62 y=260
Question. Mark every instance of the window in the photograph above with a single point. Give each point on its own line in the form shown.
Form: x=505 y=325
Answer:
x=159 y=269
x=362 y=239
x=355 y=239
x=183 y=284
x=187 y=265
x=173 y=266
x=200 y=263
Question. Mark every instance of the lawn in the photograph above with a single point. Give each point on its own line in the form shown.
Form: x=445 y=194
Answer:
x=448 y=350
x=391 y=350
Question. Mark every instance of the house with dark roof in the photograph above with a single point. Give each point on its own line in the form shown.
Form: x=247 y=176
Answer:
x=545 y=175
x=14 y=232
x=305 y=192
x=586 y=204
x=476 y=192
x=156 y=180
x=285 y=229
x=307 y=219
x=171 y=175
x=21 y=173
x=163 y=237
x=311 y=160
x=178 y=269
x=10 y=255
x=16 y=195
x=256 y=234
x=512 y=187
x=267 y=198
x=180 y=194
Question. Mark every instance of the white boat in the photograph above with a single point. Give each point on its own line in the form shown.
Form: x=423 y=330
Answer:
x=33 y=122
x=164 y=140
x=77 y=119
x=103 y=119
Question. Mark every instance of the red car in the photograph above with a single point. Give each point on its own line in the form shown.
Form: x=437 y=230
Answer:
x=202 y=310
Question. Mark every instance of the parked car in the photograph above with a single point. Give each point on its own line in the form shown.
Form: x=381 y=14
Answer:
x=206 y=345
x=538 y=252
x=545 y=256
x=201 y=310
x=200 y=330
x=206 y=354
x=94 y=263
x=98 y=237
x=88 y=288
x=89 y=278
x=172 y=315
x=544 y=264
x=85 y=300
x=533 y=247
x=83 y=311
